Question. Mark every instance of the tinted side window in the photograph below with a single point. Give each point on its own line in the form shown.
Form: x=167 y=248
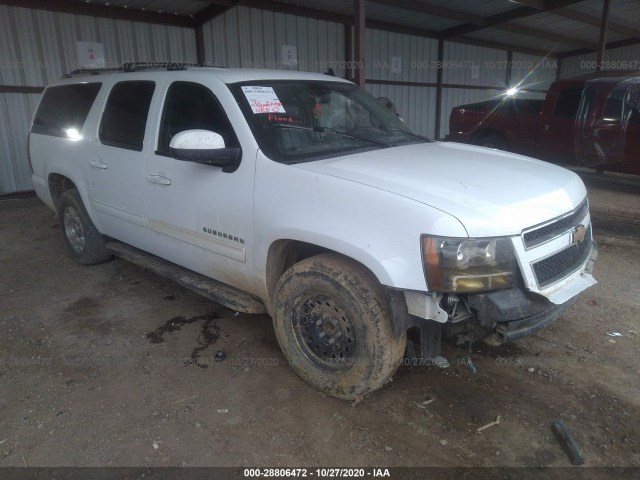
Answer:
x=191 y=106
x=618 y=111
x=568 y=102
x=635 y=116
x=65 y=108
x=612 y=110
x=125 y=116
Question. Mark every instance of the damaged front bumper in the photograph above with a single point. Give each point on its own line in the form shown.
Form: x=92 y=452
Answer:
x=515 y=313
x=496 y=317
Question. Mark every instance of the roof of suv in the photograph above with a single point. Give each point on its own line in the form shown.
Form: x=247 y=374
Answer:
x=226 y=75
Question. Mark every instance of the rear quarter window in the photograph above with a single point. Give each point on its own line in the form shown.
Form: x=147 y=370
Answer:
x=64 y=109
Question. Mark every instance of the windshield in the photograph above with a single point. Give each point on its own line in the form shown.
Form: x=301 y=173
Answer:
x=298 y=121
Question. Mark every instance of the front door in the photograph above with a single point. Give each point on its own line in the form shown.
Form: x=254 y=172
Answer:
x=199 y=216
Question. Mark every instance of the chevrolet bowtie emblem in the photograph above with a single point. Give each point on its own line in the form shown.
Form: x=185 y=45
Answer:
x=578 y=234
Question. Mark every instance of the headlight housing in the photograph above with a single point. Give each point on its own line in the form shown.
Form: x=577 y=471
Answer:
x=464 y=265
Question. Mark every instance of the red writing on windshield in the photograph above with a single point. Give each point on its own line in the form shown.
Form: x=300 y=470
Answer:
x=279 y=118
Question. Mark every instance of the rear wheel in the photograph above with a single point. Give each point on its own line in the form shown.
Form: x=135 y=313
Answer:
x=333 y=323
x=85 y=244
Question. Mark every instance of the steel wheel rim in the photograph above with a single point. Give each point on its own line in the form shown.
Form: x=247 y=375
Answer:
x=73 y=229
x=324 y=331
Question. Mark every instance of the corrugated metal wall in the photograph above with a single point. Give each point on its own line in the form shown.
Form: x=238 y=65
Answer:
x=471 y=65
x=415 y=104
x=252 y=38
x=15 y=112
x=474 y=66
x=37 y=47
x=415 y=53
x=578 y=65
x=529 y=71
x=614 y=59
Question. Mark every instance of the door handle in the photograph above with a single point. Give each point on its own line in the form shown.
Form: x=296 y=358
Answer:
x=99 y=164
x=160 y=179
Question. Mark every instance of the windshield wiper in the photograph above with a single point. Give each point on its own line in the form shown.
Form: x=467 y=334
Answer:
x=331 y=130
x=411 y=134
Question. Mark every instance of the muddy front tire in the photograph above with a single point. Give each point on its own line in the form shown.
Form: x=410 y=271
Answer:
x=85 y=244
x=333 y=323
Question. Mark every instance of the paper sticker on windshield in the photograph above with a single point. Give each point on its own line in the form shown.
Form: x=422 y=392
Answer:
x=263 y=100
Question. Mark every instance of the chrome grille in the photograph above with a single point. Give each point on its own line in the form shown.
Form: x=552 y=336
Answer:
x=562 y=264
x=551 y=230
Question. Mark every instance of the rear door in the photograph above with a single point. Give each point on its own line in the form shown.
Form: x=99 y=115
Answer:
x=586 y=148
x=616 y=130
x=116 y=175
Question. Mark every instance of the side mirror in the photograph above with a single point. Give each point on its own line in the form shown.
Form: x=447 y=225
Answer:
x=203 y=146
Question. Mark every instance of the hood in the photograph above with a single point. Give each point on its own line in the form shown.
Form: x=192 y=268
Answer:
x=490 y=192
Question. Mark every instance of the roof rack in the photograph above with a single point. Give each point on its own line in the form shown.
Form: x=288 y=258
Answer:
x=132 y=67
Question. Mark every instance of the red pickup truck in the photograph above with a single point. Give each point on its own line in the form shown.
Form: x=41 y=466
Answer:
x=592 y=120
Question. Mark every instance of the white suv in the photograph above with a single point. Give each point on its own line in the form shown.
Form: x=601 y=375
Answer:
x=302 y=196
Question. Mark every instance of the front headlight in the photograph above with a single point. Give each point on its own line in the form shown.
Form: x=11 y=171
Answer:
x=468 y=265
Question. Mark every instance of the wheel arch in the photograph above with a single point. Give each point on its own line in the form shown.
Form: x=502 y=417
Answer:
x=58 y=184
x=285 y=253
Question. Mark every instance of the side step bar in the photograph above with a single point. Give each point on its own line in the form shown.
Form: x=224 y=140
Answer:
x=225 y=295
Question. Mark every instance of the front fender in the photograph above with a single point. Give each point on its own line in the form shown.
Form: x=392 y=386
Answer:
x=379 y=229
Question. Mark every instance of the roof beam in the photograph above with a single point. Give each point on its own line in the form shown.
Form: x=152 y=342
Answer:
x=617 y=44
x=435 y=10
x=602 y=45
x=298 y=10
x=418 y=32
x=502 y=46
x=290 y=9
x=544 y=35
x=580 y=16
x=104 y=11
x=222 y=3
x=213 y=10
x=526 y=10
x=595 y=21
x=359 y=43
x=395 y=28
x=491 y=21
x=537 y=4
x=20 y=89
x=376 y=25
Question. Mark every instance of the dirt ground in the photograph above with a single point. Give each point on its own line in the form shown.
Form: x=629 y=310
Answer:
x=96 y=369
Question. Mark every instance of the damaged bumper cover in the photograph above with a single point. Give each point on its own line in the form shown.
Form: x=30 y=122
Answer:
x=514 y=313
